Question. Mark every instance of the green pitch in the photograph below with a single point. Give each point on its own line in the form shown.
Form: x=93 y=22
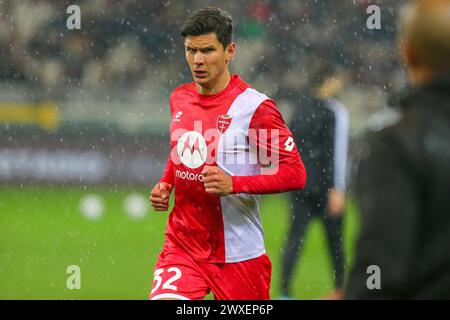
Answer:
x=42 y=232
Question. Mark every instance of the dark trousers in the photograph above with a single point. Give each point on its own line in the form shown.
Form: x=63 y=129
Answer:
x=305 y=207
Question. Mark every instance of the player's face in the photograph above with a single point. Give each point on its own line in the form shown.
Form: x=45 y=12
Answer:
x=207 y=59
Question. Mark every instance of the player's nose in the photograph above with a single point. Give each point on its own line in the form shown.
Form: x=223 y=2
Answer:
x=198 y=58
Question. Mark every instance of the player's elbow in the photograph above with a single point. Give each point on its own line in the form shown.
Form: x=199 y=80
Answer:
x=301 y=176
x=297 y=175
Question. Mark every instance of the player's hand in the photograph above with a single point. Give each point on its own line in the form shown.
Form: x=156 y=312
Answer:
x=217 y=181
x=159 y=196
x=336 y=202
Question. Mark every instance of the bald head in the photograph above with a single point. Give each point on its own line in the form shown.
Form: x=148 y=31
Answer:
x=426 y=37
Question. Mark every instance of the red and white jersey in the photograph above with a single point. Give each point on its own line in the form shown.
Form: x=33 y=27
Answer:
x=240 y=130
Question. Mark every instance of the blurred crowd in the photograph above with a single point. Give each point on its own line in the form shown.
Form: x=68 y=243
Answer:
x=136 y=44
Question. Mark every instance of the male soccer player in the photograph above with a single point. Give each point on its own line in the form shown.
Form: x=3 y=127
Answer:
x=320 y=128
x=229 y=143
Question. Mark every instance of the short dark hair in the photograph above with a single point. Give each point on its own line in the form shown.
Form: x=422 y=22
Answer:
x=209 y=20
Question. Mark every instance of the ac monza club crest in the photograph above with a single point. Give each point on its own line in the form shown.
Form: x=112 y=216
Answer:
x=223 y=122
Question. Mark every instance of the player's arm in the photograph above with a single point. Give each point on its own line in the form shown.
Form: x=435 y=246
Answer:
x=168 y=175
x=160 y=194
x=287 y=171
x=388 y=200
x=337 y=129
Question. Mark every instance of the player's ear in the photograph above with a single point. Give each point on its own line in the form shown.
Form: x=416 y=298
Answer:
x=230 y=51
x=408 y=54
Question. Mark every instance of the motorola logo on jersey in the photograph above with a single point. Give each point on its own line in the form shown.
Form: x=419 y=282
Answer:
x=192 y=149
x=186 y=175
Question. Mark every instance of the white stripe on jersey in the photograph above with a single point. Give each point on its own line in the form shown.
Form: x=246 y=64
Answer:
x=243 y=231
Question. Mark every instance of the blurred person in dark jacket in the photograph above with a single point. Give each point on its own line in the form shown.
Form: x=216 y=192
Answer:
x=320 y=128
x=403 y=183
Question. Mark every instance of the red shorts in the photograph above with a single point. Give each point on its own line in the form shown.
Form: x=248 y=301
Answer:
x=178 y=276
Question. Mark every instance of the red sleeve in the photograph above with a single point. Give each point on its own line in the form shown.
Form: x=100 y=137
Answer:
x=286 y=171
x=167 y=175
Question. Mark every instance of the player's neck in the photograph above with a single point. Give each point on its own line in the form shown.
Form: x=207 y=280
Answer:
x=219 y=85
